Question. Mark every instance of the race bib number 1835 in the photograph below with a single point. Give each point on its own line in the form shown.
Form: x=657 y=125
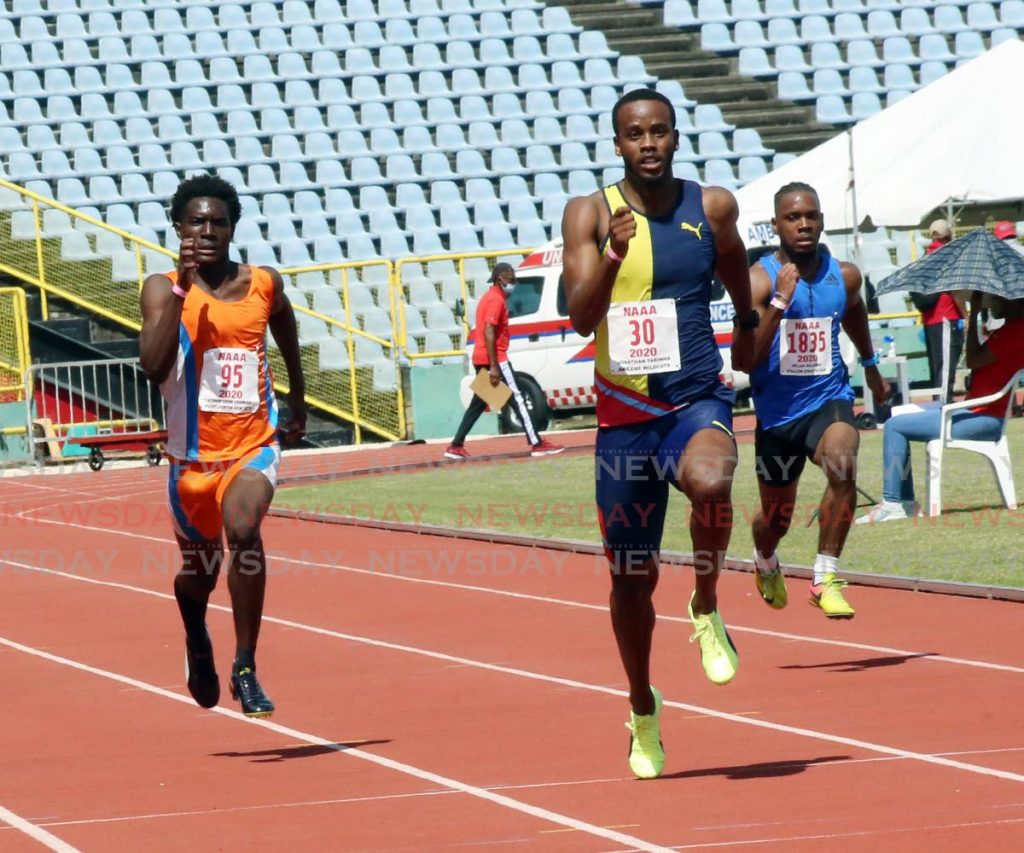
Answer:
x=230 y=381
x=805 y=346
x=643 y=337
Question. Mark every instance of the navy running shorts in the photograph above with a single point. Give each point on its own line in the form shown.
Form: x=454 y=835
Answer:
x=635 y=464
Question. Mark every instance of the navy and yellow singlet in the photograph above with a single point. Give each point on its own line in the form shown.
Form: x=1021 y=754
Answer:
x=670 y=257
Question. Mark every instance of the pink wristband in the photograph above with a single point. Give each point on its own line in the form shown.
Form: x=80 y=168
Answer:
x=613 y=256
x=177 y=291
x=779 y=302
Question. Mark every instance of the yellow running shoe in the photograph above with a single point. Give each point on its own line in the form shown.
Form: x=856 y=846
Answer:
x=646 y=754
x=772 y=585
x=828 y=595
x=717 y=652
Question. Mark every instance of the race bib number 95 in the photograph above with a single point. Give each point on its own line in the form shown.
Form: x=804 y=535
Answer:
x=643 y=337
x=805 y=347
x=230 y=381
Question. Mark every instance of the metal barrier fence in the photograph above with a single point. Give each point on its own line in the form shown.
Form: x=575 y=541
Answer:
x=79 y=259
x=357 y=320
x=87 y=400
x=14 y=348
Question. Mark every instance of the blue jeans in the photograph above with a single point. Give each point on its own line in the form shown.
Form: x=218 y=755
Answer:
x=899 y=431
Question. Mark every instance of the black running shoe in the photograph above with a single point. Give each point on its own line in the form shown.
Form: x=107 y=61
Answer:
x=200 y=673
x=246 y=689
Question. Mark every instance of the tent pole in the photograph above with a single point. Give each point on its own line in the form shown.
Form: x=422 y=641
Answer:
x=852 y=189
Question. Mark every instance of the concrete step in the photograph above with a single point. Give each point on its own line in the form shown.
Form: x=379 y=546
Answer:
x=795 y=140
x=767 y=114
x=683 y=66
x=736 y=91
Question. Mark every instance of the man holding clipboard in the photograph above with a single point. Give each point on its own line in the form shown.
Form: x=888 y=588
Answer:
x=495 y=380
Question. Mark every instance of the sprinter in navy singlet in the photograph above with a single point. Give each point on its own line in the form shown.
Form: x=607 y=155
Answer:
x=639 y=261
x=802 y=394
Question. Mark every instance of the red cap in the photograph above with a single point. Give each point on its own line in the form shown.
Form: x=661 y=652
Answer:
x=1004 y=229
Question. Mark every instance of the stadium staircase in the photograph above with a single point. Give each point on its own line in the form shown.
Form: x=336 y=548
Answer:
x=670 y=53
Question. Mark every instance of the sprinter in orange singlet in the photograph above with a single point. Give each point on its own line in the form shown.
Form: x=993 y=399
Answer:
x=203 y=340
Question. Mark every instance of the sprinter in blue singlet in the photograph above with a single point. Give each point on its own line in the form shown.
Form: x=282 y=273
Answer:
x=802 y=394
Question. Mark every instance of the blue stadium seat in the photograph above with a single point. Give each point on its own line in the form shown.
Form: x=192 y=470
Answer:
x=864 y=105
x=679 y=13
x=915 y=21
x=899 y=76
x=827 y=55
x=864 y=79
x=716 y=38
x=949 y=20
x=935 y=47
x=753 y=61
x=969 y=45
x=882 y=24
x=1011 y=14
x=862 y=52
x=719 y=173
x=932 y=71
x=898 y=49
x=750 y=169
x=830 y=109
x=790 y=58
x=828 y=81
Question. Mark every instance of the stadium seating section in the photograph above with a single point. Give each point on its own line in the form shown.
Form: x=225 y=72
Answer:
x=390 y=128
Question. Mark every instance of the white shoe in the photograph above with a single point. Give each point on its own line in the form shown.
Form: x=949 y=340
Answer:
x=886 y=511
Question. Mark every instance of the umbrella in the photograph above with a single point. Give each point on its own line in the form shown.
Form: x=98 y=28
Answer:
x=977 y=261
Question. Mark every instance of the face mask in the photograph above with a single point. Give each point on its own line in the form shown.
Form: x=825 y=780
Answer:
x=507 y=288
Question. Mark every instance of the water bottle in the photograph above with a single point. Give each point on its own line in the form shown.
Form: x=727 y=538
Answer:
x=890 y=346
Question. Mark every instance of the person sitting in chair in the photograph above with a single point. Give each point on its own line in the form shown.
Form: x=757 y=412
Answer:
x=992 y=363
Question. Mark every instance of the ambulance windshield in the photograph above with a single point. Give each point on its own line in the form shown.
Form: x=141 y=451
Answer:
x=525 y=297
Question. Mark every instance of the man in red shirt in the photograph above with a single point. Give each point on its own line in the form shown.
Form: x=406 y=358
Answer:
x=943 y=353
x=491 y=351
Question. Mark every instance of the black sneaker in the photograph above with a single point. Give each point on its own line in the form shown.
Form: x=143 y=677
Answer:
x=200 y=673
x=246 y=689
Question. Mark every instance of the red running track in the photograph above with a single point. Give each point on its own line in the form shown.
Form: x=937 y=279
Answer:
x=438 y=694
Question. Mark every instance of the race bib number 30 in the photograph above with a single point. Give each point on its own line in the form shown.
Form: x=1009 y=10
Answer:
x=230 y=381
x=643 y=337
x=805 y=347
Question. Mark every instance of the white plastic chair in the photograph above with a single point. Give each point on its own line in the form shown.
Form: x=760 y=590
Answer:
x=997 y=452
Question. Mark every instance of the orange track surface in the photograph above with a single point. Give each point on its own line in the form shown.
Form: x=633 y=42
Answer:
x=477 y=698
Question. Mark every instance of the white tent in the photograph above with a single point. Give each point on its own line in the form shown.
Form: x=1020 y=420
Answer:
x=958 y=138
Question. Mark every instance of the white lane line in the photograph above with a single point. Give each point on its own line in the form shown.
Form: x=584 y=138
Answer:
x=544 y=599
x=47 y=839
x=354 y=752
x=867 y=746
x=310 y=803
x=265 y=807
x=30 y=512
x=833 y=836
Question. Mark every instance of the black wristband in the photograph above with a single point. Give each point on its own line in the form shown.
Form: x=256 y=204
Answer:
x=748 y=321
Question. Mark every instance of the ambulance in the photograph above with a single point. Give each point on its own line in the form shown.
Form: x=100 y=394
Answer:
x=554 y=365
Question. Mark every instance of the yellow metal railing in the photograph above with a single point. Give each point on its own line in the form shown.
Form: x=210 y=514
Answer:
x=379 y=409
x=86 y=278
x=368 y=393
x=15 y=357
x=510 y=255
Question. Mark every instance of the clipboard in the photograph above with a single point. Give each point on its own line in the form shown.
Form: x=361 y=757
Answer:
x=495 y=396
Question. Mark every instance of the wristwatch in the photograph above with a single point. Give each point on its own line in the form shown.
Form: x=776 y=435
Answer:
x=748 y=321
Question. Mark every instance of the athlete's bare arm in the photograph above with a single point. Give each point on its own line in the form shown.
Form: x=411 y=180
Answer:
x=771 y=316
x=588 y=275
x=283 y=328
x=855 y=323
x=161 y=316
x=722 y=211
